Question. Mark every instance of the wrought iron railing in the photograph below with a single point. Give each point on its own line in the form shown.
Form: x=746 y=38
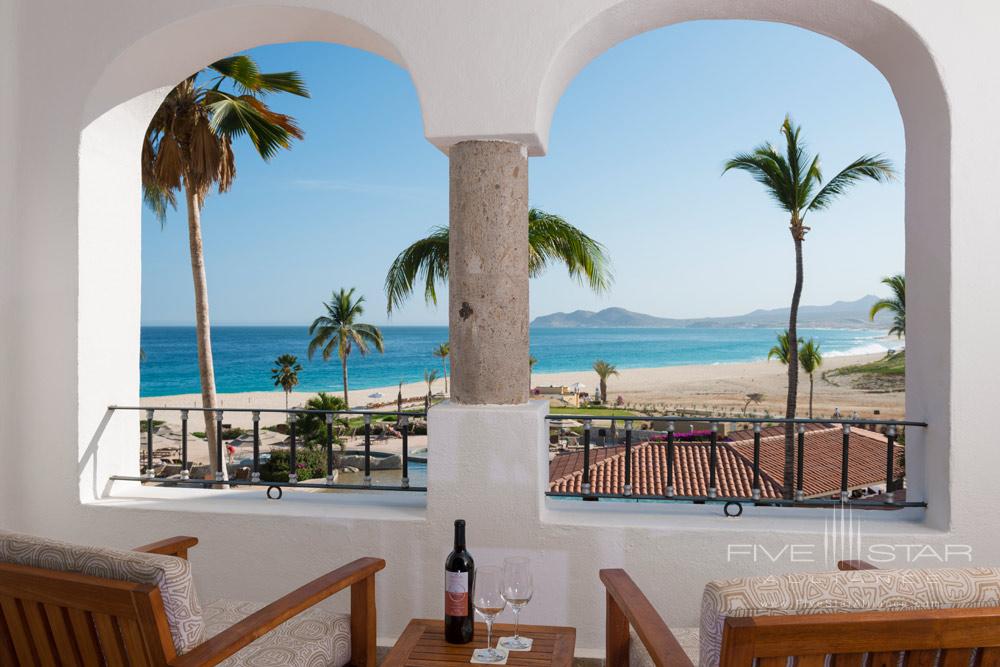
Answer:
x=894 y=495
x=330 y=417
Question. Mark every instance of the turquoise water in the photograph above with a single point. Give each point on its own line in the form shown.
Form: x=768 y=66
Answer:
x=244 y=355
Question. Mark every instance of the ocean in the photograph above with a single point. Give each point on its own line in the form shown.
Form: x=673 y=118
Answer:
x=244 y=355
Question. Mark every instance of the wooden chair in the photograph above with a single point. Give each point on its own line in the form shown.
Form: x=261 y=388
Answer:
x=50 y=617
x=945 y=637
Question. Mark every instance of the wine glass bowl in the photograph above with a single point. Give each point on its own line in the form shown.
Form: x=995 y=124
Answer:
x=517 y=591
x=489 y=601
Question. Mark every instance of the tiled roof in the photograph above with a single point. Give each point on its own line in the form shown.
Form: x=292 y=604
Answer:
x=734 y=474
x=735 y=465
x=821 y=470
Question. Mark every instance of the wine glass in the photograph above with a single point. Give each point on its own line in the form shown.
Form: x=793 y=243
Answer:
x=517 y=590
x=489 y=602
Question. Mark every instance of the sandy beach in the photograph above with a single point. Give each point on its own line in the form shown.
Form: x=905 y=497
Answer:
x=720 y=388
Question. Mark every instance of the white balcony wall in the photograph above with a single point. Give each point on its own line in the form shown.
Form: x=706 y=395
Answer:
x=79 y=82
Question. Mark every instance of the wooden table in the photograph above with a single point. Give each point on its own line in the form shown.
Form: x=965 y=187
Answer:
x=422 y=644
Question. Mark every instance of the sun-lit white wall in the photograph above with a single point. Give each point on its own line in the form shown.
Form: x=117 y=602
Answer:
x=70 y=202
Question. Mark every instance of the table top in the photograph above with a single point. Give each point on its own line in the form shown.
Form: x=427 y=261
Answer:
x=422 y=644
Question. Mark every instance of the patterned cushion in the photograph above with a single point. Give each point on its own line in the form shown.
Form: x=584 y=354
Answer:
x=315 y=638
x=638 y=656
x=829 y=592
x=172 y=575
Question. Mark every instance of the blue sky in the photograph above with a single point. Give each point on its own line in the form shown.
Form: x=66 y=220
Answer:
x=635 y=157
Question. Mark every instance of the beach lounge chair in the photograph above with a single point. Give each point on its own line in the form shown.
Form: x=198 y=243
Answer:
x=861 y=616
x=63 y=603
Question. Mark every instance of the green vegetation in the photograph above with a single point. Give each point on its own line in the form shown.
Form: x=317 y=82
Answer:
x=286 y=373
x=887 y=374
x=312 y=428
x=550 y=239
x=782 y=351
x=442 y=351
x=310 y=463
x=810 y=359
x=188 y=147
x=794 y=182
x=604 y=370
x=339 y=330
x=895 y=305
x=156 y=424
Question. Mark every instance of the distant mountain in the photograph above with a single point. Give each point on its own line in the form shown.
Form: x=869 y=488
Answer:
x=840 y=314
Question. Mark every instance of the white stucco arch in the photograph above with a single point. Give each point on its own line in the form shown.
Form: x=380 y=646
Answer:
x=115 y=114
x=897 y=51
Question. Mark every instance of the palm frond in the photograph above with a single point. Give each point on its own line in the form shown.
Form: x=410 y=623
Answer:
x=875 y=167
x=769 y=169
x=552 y=239
x=236 y=115
x=425 y=259
x=158 y=200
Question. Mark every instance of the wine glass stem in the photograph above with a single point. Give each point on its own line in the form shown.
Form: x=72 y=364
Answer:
x=489 y=634
x=517 y=635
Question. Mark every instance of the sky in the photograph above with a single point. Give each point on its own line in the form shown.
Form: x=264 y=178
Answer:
x=634 y=159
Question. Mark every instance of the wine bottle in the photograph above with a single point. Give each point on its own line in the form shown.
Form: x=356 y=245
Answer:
x=459 y=577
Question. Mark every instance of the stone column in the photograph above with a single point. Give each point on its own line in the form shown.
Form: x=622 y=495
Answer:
x=488 y=272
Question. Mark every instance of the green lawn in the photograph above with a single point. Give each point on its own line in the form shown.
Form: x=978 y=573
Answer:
x=891 y=364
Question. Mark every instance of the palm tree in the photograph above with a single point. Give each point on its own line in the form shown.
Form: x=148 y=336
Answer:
x=794 y=182
x=604 y=370
x=442 y=351
x=312 y=427
x=532 y=362
x=429 y=378
x=340 y=331
x=188 y=146
x=550 y=239
x=895 y=305
x=286 y=374
x=810 y=358
x=782 y=351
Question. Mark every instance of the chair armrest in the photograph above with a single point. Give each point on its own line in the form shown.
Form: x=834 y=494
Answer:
x=851 y=565
x=626 y=605
x=172 y=546
x=359 y=575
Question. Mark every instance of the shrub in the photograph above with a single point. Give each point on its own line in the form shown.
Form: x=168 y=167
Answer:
x=310 y=463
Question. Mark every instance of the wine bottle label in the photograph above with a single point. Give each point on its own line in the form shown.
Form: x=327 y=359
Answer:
x=456 y=593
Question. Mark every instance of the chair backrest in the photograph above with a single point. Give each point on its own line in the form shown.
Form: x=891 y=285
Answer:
x=782 y=608
x=44 y=579
x=923 y=638
x=63 y=618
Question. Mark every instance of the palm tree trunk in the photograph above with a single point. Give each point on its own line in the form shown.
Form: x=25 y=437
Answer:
x=343 y=365
x=206 y=368
x=444 y=367
x=604 y=391
x=810 y=396
x=793 y=367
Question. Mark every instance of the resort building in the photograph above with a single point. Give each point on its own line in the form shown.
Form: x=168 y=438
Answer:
x=81 y=81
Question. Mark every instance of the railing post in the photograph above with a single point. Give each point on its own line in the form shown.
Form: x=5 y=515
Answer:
x=329 y=448
x=293 y=463
x=713 y=460
x=756 y=461
x=585 y=487
x=220 y=460
x=628 y=457
x=404 y=431
x=670 y=490
x=368 y=450
x=890 y=465
x=843 y=462
x=800 y=493
x=185 y=473
x=150 y=473
x=255 y=475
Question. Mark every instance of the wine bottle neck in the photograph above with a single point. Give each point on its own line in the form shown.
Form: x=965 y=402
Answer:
x=459 y=537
